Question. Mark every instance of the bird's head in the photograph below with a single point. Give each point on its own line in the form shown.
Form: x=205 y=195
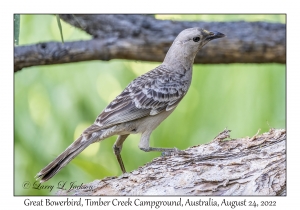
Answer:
x=189 y=42
x=196 y=38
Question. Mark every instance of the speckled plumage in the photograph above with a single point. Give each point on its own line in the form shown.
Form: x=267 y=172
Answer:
x=143 y=104
x=150 y=94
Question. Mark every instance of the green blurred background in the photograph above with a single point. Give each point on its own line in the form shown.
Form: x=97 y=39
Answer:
x=54 y=104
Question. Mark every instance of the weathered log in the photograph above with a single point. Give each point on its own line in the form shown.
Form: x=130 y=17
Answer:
x=246 y=166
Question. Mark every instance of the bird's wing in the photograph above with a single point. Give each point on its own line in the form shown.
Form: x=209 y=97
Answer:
x=150 y=94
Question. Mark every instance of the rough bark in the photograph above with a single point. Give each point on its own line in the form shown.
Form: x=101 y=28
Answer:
x=142 y=37
x=247 y=166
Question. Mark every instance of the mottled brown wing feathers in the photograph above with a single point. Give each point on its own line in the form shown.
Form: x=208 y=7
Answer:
x=150 y=94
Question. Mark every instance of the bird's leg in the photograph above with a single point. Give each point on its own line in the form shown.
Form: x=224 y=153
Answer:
x=144 y=145
x=117 y=150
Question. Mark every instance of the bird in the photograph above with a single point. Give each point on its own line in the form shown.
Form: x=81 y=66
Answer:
x=144 y=103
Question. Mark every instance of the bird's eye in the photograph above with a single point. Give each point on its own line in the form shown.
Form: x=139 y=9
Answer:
x=196 y=39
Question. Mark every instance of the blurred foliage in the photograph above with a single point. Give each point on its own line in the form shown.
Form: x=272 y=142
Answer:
x=54 y=104
x=220 y=18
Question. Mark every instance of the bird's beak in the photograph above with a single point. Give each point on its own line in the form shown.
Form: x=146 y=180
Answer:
x=214 y=35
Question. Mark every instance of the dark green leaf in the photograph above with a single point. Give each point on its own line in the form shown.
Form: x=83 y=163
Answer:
x=16 y=28
x=60 y=28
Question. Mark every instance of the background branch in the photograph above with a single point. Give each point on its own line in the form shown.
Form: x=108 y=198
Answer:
x=247 y=166
x=142 y=37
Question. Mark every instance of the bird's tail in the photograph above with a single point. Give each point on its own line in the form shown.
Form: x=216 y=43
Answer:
x=64 y=158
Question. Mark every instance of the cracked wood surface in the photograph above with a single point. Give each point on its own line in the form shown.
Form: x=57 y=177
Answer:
x=142 y=37
x=246 y=166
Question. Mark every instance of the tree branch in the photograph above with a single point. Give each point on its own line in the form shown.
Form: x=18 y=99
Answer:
x=247 y=166
x=142 y=37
